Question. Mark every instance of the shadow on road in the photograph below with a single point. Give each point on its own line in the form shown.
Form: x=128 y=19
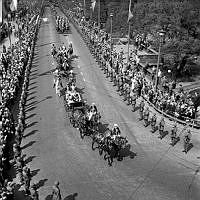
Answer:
x=30 y=104
x=34 y=87
x=29 y=159
x=41 y=183
x=34 y=172
x=32 y=108
x=28 y=145
x=31 y=93
x=30 y=133
x=126 y=152
x=31 y=124
x=31 y=98
x=46 y=73
x=30 y=116
x=32 y=83
x=71 y=197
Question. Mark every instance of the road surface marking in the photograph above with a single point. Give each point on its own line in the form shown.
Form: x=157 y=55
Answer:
x=83 y=79
x=78 y=66
x=82 y=73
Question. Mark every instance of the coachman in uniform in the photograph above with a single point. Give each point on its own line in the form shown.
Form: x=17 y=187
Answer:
x=146 y=117
x=161 y=127
x=141 y=109
x=153 y=123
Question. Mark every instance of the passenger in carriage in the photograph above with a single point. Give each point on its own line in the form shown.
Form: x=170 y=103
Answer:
x=77 y=97
x=116 y=131
x=92 y=111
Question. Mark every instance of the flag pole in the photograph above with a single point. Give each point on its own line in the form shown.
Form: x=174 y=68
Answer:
x=129 y=30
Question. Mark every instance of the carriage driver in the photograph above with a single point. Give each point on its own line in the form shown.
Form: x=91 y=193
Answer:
x=92 y=111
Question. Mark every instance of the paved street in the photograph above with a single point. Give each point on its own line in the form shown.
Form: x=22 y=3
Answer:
x=54 y=150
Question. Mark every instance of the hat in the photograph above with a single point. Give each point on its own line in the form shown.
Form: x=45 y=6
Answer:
x=115 y=125
x=56 y=183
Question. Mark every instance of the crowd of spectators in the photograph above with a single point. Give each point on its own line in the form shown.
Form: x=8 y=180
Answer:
x=13 y=83
x=173 y=101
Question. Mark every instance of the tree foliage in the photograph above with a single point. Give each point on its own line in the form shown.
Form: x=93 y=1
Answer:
x=179 y=18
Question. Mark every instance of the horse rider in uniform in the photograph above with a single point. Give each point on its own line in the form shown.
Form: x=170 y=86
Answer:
x=186 y=139
x=153 y=123
x=161 y=127
x=146 y=116
x=173 y=134
x=141 y=109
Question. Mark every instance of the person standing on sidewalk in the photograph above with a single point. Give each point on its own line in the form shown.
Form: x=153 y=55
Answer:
x=34 y=193
x=26 y=180
x=56 y=195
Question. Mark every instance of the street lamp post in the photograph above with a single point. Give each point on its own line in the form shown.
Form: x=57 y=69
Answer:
x=161 y=35
x=99 y=14
x=84 y=7
x=111 y=21
x=9 y=28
